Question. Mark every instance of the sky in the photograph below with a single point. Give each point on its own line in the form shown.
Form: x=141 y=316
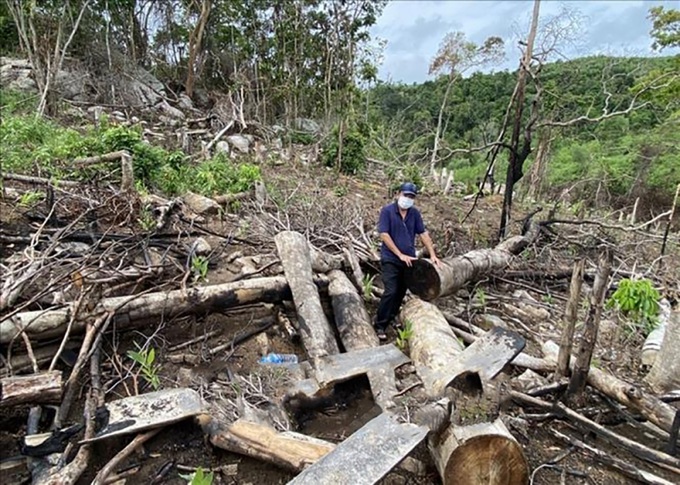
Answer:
x=414 y=29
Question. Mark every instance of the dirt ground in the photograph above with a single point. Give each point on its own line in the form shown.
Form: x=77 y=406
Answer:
x=182 y=447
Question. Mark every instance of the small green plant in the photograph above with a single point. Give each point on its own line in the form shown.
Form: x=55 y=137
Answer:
x=639 y=301
x=549 y=299
x=199 y=266
x=146 y=359
x=367 y=286
x=146 y=220
x=480 y=297
x=404 y=334
x=199 y=477
x=340 y=190
x=30 y=198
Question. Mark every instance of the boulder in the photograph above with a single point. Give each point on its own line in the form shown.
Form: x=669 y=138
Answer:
x=240 y=142
x=170 y=111
x=306 y=125
x=222 y=147
x=15 y=74
x=201 y=205
x=185 y=102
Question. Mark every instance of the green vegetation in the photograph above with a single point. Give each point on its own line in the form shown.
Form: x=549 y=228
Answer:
x=199 y=267
x=637 y=300
x=199 y=477
x=146 y=358
x=404 y=334
x=31 y=144
x=346 y=151
x=367 y=286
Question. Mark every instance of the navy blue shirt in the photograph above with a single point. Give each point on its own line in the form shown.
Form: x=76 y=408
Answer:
x=402 y=231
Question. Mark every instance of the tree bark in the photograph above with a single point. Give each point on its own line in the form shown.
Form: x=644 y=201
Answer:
x=579 y=375
x=315 y=330
x=570 y=316
x=665 y=374
x=430 y=282
x=351 y=317
x=195 y=40
x=288 y=450
x=139 y=309
x=45 y=387
x=479 y=454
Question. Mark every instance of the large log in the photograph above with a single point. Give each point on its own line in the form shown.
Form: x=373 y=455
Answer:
x=138 y=309
x=439 y=357
x=652 y=408
x=665 y=373
x=479 y=454
x=351 y=317
x=429 y=281
x=288 y=450
x=43 y=388
x=315 y=330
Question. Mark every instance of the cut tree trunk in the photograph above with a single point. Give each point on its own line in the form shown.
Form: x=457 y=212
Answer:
x=43 y=388
x=139 y=309
x=430 y=282
x=650 y=407
x=579 y=374
x=570 y=316
x=315 y=330
x=665 y=374
x=479 y=454
x=288 y=450
x=439 y=357
x=351 y=318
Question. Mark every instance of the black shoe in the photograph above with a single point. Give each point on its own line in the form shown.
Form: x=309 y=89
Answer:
x=382 y=336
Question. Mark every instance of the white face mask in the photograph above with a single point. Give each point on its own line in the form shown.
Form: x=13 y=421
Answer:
x=405 y=202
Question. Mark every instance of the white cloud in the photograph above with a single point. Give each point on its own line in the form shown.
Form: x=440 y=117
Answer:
x=413 y=29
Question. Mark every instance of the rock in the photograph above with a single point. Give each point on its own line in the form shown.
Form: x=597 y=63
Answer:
x=277 y=144
x=171 y=111
x=239 y=142
x=96 y=111
x=413 y=466
x=185 y=377
x=222 y=147
x=185 y=102
x=15 y=74
x=201 y=247
x=262 y=342
x=487 y=322
x=529 y=379
x=230 y=470
x=307 y=125
x=201 y=205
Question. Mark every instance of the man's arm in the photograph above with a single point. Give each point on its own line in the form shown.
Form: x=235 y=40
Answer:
x=427 y=241
x=387 y=241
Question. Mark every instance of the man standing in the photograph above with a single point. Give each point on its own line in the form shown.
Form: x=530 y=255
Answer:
x=398 y=226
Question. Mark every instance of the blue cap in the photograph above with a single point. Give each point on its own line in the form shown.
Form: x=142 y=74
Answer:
x=408 y=188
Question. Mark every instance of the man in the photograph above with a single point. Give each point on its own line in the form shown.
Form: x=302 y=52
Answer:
x=398 y=226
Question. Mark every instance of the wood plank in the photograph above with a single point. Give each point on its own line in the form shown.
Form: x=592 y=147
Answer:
x=366 y=456
x=146 y=411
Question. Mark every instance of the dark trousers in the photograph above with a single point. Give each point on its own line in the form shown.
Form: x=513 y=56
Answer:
x=395 y=289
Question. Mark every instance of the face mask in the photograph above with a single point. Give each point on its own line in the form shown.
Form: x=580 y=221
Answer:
x=405 y=202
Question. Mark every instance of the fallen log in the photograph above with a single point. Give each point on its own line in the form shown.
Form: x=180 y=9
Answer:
x=288 y=450
x=429 y=281
x=351 y=318
x=440 y=359
x=650 y=407
x=315 y=330
x=479 y=454
x=43 y=388
x=142 y=308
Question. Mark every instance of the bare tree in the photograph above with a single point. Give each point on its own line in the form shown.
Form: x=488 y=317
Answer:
x=195 y=40
x=455 y=56
x=43 y=41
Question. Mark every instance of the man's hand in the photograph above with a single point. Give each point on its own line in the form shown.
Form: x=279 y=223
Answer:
x=407 y=259
x=435 y=260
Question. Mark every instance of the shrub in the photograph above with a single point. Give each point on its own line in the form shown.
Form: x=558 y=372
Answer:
x=353 y=149
x=639 y=301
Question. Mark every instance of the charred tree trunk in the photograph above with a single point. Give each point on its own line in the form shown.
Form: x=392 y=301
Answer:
x=570 y=316
x=665 y=374
x=579 y=374
x=45 y=387
x=315 y=330
x=430 y=282
x=479 y=454
x=351 y=317
x=142 y=308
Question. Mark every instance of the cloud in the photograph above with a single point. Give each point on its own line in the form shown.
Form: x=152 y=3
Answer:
x=414 y=29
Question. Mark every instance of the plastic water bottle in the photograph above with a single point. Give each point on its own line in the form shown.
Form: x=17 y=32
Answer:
x=279 y=359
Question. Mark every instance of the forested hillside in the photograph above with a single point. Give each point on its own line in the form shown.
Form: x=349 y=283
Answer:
x=619 y=158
